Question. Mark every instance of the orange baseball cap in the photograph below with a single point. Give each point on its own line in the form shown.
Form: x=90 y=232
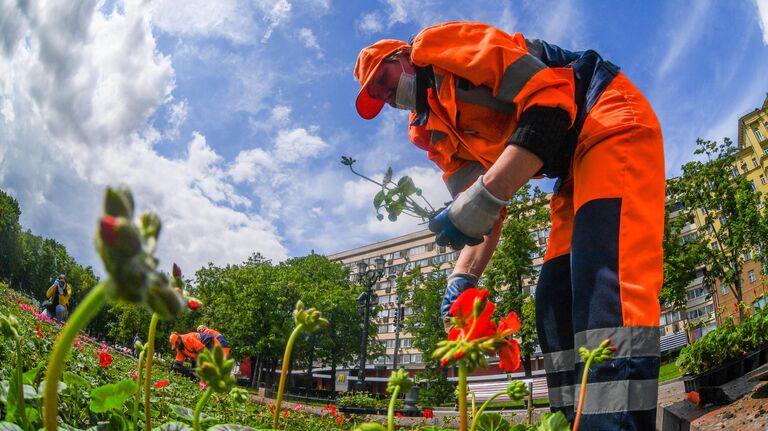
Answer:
x=368 y=62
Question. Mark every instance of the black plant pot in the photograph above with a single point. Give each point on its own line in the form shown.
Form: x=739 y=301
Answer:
x=751 y=361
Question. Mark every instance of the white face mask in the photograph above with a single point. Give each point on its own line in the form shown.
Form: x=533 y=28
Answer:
x=405 y=95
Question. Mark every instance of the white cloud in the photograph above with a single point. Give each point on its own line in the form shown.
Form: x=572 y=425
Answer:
x=177 y=115
x=280 y=113
x=370 y=23
x=249 y=165
x=230 y=19
x=275 y=13
x=308 y=38
x=762 y=13
x=82 y=87
x=297 y=144
x=686 y=27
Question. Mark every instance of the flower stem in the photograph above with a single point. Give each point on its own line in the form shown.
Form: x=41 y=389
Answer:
x=391 y=410
x=475 y=416
x=463 y=395
x=148 y=378
x=138 y=391
x=199 y=408
x=80 y=318
x=582 y=393
x=20 y=387
x=284 y=372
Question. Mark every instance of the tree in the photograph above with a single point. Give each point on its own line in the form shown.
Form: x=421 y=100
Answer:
x=512 y=262
x=10 y=247
x=424 y=293
x=726 y=208
x=683 y=259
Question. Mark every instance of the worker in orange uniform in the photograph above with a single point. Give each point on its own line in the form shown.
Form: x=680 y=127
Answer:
x=493 y=110
x=187 y=347
x=215 y=336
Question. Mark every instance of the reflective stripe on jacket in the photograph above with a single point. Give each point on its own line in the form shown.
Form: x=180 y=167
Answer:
x=484 y=79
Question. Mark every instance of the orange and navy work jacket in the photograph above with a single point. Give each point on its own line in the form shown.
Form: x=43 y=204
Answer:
x=484 y=79
x=216 y=336
x=192 y=345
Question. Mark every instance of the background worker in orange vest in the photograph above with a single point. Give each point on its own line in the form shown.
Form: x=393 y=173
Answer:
x=493 y=110
x=216 y=337
x=187 y=347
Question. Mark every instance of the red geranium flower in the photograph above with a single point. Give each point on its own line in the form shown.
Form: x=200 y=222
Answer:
x=285 y=414
x=193 y=304
x=109 y=229
x=427 y=414
x=509 y=356
x=333 y=410
x=339 y=418
x=464 y=310
x=105 y=359
x=162 y=384
x=39 y=331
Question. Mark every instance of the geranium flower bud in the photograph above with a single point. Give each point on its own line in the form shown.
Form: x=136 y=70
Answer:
x=164 y=301
x=150 y=225
x=176 y=271
x=399 y=379
x=118 y=202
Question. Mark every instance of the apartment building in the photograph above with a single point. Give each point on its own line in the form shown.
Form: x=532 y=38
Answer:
x=402 y=254
x=706 y=309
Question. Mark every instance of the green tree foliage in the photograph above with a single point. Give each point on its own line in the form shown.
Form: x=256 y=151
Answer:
x=512 y=262
x=684 y=256
x=726 y=207
x=424 y=293
x=10 y=230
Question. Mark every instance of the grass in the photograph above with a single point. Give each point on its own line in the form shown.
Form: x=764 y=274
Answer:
x=668 y=372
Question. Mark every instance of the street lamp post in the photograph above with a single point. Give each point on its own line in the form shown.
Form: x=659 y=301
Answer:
x=367 y=277
x=398 y=319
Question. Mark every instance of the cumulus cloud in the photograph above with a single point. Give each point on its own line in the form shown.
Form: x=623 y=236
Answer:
x=297 y=144
x=275 y=12
x=308 y=38
x=177 y=115
x=370 y=23
x=78 y=88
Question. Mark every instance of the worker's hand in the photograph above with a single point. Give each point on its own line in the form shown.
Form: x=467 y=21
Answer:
x=468 y=218
x=458 y=282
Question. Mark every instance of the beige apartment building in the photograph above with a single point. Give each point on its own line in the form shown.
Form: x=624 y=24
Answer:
x=402 y=254
x=706 y=309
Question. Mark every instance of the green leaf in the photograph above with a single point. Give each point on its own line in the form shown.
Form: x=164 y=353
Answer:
x=378 y=199
x=230 y=427
x=112 y=396
x=173 y=426
x=31 y=375
x=554 y=422
x=9 y=426
x=406 y=185
x=186 y=414
x=435 y=428
x=492 y=422
x=29 y=392
x=73 y=379
x=387 y=176
x=518 y=427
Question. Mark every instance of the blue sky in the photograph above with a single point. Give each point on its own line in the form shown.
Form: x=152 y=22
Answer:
x=228 y=118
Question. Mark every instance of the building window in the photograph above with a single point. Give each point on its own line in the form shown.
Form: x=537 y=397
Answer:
x=762 y=179
x=744 y=167
x=715 y=246
x=735 y=172
x=751 y=275
x=754 y=187
x=724 y=289
x=758 y=134
x=747 y=255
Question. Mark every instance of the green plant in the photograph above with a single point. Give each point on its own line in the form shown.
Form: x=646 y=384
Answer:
x=600 y=354
x=395 y=198
x=215 y=370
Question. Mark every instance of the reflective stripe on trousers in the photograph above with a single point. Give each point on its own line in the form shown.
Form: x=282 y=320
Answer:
x=603 y=268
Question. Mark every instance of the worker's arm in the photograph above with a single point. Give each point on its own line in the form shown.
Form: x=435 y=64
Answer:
x=51 y=291
x=469 y=267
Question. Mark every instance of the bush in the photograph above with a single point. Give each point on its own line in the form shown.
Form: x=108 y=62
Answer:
x=436 y=390
x=365 y=400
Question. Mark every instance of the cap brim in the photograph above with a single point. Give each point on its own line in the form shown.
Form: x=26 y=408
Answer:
x=367 y=106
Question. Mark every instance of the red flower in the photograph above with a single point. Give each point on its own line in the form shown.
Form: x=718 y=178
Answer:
x=464 y=310
x=510 y=323
x=427 y=414
x=333 y=410
x=285 y=414
x=39 y=332
x=193 y=304
x=695 y=398
x=398 y=415
x=105 y=359
x=509 y=356
x=339 y=418
x=109 y=229
x=162 y=384
x=271 y=408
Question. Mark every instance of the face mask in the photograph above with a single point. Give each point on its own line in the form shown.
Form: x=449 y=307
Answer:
x=405 y=95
